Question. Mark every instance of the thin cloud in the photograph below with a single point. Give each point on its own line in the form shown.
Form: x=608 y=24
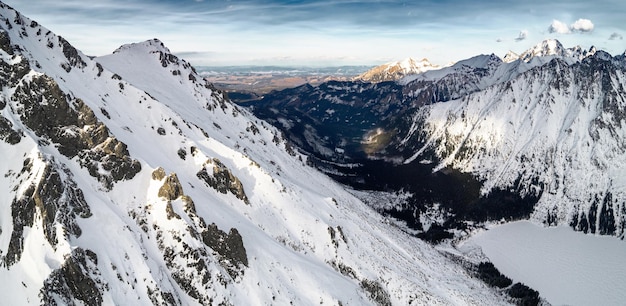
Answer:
x=522 y=35
x=616 y=36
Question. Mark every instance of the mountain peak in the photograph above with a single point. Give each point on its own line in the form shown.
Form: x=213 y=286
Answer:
x=544 y=48
x=148 y=46
x=510 y=57
x=393 y=71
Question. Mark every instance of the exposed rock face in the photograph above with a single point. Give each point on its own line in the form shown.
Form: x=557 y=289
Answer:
x=78 y=279
x=228 y=246
x=55 y=197
x=171 y=188
x=158 y=174
x=73 y=57
x=73 y=127
x=7 y=133
x=194 y=252
x=377 y=293
x=222 y=180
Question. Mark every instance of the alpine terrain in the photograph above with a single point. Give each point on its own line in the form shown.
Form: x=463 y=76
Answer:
x=537 y=136
x=393 y=71
x=129 y=180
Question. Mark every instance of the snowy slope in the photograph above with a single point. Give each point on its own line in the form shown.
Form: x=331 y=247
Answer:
x=129 y=180
x=555 y=131
x=581 y=269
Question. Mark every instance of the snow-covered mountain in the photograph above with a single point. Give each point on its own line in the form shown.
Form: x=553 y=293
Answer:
x=394 y=71
x=548 y=49
x=537 y=137
x=129 y=180
x=555 y=132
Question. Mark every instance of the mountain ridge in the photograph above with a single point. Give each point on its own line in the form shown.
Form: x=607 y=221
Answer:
x=153 y=188
x=396 y=70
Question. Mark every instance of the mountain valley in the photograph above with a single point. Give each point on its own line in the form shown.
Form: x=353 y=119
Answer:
x=129 y=180
x=485 y=139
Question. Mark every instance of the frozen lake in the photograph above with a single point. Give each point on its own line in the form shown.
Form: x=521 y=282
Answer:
x=566 y=267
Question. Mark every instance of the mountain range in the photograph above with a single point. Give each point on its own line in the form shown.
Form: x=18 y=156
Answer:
x=130 y=180
x=396 y=70
x=537 y=136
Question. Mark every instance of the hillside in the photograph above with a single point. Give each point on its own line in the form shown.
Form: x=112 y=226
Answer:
x=129 y=180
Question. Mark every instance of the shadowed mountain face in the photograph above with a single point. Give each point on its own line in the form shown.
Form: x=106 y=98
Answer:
x=539 y=137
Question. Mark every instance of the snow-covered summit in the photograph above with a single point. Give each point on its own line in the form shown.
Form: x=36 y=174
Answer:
x=510 y=57
x=393 y=71
x=544 y=48
x=550 y=48
x=151 y=45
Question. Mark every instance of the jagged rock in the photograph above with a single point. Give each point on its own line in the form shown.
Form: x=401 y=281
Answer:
x=7 y=133
x=376 y=292
x=73 y=57
x=77 y=279
x=158 y=174
x=171 y=188
x=182 y=154
x=189 y=206
x=57 y=199
x=5 y=43
x=10 y=74
x=223 y=180
x=169 y=210
x=75 y=129
x=228 y=246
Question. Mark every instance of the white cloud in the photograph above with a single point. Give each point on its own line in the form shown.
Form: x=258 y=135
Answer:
x=523 y=34
x=616 y=36
x=558 y=27
x=582 y=25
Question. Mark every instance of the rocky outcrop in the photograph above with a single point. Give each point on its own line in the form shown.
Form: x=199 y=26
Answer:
x=171 y=188
x=7 y=133
x=223 y=250
x=55 y=197
x=228 y=246
x=78 y=279
x=74 y=129
x=222 y=180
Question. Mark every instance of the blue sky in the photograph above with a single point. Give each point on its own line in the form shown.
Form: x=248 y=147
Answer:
x=329 y=33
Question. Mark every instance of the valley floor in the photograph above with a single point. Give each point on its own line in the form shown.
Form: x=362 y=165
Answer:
x=566 y=267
